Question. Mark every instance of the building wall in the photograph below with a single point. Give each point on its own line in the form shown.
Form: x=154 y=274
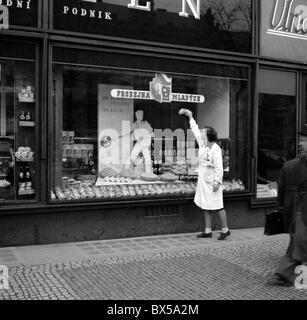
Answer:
x=61 y=226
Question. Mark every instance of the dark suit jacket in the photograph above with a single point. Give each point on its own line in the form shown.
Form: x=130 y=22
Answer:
x=292 y=182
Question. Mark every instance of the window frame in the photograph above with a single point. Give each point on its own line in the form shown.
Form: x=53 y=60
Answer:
x=271 y=201
x=229 y=195
x=38 y=127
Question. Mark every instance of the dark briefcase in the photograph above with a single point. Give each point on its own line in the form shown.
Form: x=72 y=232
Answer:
x=274 y=223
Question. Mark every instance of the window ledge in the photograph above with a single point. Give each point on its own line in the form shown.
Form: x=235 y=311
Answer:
x=263 y=203
x=88 y=205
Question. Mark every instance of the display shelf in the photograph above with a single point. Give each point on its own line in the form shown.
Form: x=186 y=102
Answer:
x=26 y=123
x=102 y=182
x=26 y=192
x=86 y=138
x=76 y=169
x=27 y=100
x=25 y=159
x=75 y=158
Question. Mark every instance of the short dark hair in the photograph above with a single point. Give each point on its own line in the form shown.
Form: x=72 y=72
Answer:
x=211 y=134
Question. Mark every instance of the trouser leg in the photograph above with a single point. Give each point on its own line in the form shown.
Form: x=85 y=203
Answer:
x=135 y=151
x=287 y=265
x=147 y=158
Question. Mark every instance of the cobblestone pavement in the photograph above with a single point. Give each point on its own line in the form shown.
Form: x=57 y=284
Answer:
x=172 y=267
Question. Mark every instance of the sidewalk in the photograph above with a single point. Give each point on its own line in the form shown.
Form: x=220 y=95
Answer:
x=178 y=267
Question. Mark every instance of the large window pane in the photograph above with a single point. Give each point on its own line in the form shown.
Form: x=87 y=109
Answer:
x=276 y=128
x=304 y=105
x=100 y=150
x=302 y=139
x=17 y=130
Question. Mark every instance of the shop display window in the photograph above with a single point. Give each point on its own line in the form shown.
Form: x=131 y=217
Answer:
x=303 y=116
x=304 y=105
x=118 y=135
x=17 y=130
x=276 y=129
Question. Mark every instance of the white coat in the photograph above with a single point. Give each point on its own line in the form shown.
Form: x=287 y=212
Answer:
x=210 y=170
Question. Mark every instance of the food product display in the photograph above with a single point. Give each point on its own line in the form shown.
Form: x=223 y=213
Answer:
x=26 y=94
x=53 y=196
x=116 y=180
x=128 y=173
x=179 y=169
x=68 y=137
x=74 y=190
x=108 y=172
x=85 y=191
x=234 y=185
x=25 y=180
x=149 y=177
x=60 y=194
x=26 y=118
x=188 y=177
x=24 y=154
x=168 y=177
x=4 y=183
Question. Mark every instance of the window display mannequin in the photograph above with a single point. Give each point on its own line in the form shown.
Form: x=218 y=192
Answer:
x=142 y=133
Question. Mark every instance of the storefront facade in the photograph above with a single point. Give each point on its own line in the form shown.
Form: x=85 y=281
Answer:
x=92 y=145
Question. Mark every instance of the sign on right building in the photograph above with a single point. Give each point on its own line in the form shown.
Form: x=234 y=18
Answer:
x=284 y=29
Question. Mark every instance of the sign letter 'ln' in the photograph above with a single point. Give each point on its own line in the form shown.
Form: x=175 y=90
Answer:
x=195 y=8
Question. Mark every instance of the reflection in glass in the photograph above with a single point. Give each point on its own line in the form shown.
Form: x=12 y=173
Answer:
x=221 y=24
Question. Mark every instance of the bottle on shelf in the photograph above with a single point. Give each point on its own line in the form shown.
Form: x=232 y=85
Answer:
x=91 y=164
x=21 y=180
x=155 y=167
x=28 y=179
x=160 y=167
x=28 y=116
x=22 y=116
x=152 y=149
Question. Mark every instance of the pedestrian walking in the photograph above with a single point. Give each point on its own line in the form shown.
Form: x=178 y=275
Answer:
x=209 y=191
x=292 y=199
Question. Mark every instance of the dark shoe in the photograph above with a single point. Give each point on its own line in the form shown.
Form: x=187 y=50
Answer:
x=205 y=235
x=279 y=281
x=223 y=235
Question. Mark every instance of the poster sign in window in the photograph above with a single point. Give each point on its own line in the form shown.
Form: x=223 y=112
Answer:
x=114 y=127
